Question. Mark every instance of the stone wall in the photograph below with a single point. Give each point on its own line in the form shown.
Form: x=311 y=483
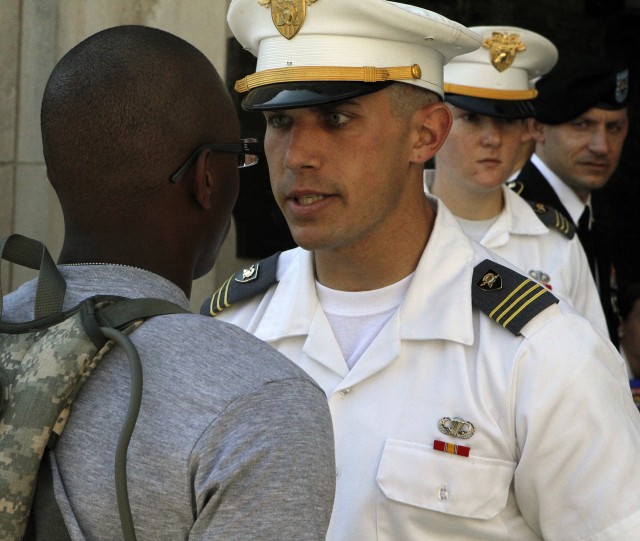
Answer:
x=34 y=34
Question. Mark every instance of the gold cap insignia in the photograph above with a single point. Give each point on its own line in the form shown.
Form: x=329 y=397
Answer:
x=503 y=48
x=491 y=281
x=288 y=15
x=456 y=427
x=248 y=274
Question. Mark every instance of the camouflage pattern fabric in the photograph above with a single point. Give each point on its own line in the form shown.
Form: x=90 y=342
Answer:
x=41 y=372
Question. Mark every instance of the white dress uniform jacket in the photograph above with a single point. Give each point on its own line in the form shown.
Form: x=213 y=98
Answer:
x=557 y=436
x=545 y=255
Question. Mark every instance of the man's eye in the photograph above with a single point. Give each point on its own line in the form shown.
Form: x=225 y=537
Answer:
x=278 y=121
x=337 y=119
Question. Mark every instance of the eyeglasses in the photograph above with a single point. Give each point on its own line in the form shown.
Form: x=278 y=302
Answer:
x=247 y=151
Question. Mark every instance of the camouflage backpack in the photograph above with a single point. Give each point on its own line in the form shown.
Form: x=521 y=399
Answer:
x=43 y=365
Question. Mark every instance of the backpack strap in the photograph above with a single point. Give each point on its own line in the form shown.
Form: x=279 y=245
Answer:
x=36 y=390
x=506 y=296
x=34 y=254
x=553 y=219
x=244 y=284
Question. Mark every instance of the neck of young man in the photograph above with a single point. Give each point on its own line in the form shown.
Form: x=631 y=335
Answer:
x=376 y=264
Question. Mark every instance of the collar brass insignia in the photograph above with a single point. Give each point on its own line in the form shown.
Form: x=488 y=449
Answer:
x=503 y=48
x=288 y=15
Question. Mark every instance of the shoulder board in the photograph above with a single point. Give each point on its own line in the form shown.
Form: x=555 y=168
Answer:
x=508 y=297
x=553 y=219
x=516 y=186
x=244 y=284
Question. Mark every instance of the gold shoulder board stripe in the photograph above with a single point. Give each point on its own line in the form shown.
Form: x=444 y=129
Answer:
x=514 y=302
x=237 y=287
x=554 y=219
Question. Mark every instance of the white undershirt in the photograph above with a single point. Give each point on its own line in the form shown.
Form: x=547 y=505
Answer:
x=476 y=229
x=356 y=317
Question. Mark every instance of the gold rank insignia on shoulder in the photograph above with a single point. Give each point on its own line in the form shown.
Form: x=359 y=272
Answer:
x=553 y=219
x=491 y=281
x=539 y=208
x=515 y=303
x=242 y=285
x=288 y=15
x=248 y=274
x=503 y=48
x=456 y=427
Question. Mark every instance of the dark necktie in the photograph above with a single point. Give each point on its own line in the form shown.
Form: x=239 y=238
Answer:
x=586 y=238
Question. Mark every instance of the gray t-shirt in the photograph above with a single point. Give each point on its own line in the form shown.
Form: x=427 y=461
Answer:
x=233 y=441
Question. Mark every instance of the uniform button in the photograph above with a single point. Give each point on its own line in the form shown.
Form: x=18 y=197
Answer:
x=443 y=492
x=337 y=472
x=345 y=392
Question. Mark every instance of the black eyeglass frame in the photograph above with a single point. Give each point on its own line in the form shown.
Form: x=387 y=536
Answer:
x=248 y=146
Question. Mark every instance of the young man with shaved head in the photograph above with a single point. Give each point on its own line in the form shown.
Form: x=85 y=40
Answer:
x=233 y=441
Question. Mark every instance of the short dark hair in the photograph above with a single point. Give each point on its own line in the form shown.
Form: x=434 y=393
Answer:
x=123 y=109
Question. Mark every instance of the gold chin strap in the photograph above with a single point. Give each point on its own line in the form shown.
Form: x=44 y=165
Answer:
x=366 y=74
x=490 y=93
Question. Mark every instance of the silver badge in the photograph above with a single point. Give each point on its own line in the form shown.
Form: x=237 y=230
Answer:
x=456 y=427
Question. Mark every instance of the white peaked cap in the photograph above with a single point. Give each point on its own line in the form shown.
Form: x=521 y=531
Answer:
x=300 y=42
x=504 y=67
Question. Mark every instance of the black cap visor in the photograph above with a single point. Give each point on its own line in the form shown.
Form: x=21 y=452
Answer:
x=306 y=94
x=496 y=108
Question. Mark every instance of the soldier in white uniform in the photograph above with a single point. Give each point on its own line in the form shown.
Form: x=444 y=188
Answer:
x=467 y=401
x=490 y=96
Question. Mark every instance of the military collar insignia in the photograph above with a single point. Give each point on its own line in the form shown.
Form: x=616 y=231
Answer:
x=456 y=427
x=503 y=48
x=287 y=15
x=516 y=186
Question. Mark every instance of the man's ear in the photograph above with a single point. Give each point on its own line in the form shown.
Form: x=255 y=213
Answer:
x=537 y=130
x=204 y=180
x=432 y=124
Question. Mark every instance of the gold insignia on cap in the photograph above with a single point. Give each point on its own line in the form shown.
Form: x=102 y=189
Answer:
x=288 y=15
x=503 y=48
x=491 y=281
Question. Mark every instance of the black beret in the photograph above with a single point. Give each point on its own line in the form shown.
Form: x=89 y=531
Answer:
x=576 y=84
